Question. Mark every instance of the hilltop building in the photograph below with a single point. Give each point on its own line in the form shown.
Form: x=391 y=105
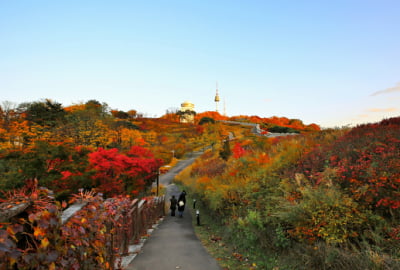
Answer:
x=186 y=112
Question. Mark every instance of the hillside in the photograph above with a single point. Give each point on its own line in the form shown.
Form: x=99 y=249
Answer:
x=56 y=145
x=316 y=196
x=265 y=123
x=88 y=145
x=325 y=200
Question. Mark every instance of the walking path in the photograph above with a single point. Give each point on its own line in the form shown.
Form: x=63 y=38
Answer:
x=173 y=244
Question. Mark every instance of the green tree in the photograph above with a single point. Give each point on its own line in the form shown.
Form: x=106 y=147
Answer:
x=44 y=113
x=226 y=152
x=206 y=120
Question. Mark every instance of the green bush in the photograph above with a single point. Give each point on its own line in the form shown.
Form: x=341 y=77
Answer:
x=324 y=213
x=279 y=129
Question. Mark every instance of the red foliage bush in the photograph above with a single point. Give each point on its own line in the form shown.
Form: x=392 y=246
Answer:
x=238 y=150
x=117 y=173
x=210 y=167
x=367 y=160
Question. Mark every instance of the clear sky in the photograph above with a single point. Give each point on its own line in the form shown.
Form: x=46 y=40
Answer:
x=332 y=63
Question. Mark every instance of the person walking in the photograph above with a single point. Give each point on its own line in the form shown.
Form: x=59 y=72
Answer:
x=174 y=202
x=182 y=197
x=181 y=208
x=181 y=203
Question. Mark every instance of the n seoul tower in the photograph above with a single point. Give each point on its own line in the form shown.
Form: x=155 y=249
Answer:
x=216 y=99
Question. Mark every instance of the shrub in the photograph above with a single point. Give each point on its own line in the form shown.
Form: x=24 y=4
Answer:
x=324 y=213
x=206 y=120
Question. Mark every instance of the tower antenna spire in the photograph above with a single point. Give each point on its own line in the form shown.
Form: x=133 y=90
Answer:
x=216 y=99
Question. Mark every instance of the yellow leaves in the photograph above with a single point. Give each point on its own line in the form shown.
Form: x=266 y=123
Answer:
x=12 y=260
x=52 y=266
x=131 y=137
x=44 y=242
x=103 y=230
x=100 y=259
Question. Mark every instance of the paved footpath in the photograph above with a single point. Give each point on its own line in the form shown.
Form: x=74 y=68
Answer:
x=173 y=244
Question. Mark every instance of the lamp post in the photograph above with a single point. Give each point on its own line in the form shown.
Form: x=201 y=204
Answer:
x=198 y=217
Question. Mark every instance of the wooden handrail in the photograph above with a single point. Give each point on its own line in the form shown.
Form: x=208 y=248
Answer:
x=8 y=210
x=131 y=222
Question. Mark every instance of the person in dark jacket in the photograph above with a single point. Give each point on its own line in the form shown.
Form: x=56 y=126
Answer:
x=182 y=197
x=181 y=203
x=181 y=208
x=173 y=205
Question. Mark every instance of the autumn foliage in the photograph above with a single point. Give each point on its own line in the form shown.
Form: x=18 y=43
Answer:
x=268 y=190
x=116 y=173
x=83 y=152
x=266 y=122
x=88 y=146
x=38 y=238
x=308 y=196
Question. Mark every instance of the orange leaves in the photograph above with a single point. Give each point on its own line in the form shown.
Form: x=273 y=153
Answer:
x=12 y=230
x=211 y=114
x=263 y=158
x=238 y=256
x=203 y=180
x=205 y=183
x=77 y=107
x=39 y=232
x=304 y=233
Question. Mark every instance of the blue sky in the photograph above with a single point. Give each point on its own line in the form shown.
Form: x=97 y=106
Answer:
x=332 y=63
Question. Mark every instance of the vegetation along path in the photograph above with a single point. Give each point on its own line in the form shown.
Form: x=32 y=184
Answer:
x=174 y=245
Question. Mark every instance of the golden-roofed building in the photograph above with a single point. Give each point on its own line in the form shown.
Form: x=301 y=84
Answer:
x=187 y=112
